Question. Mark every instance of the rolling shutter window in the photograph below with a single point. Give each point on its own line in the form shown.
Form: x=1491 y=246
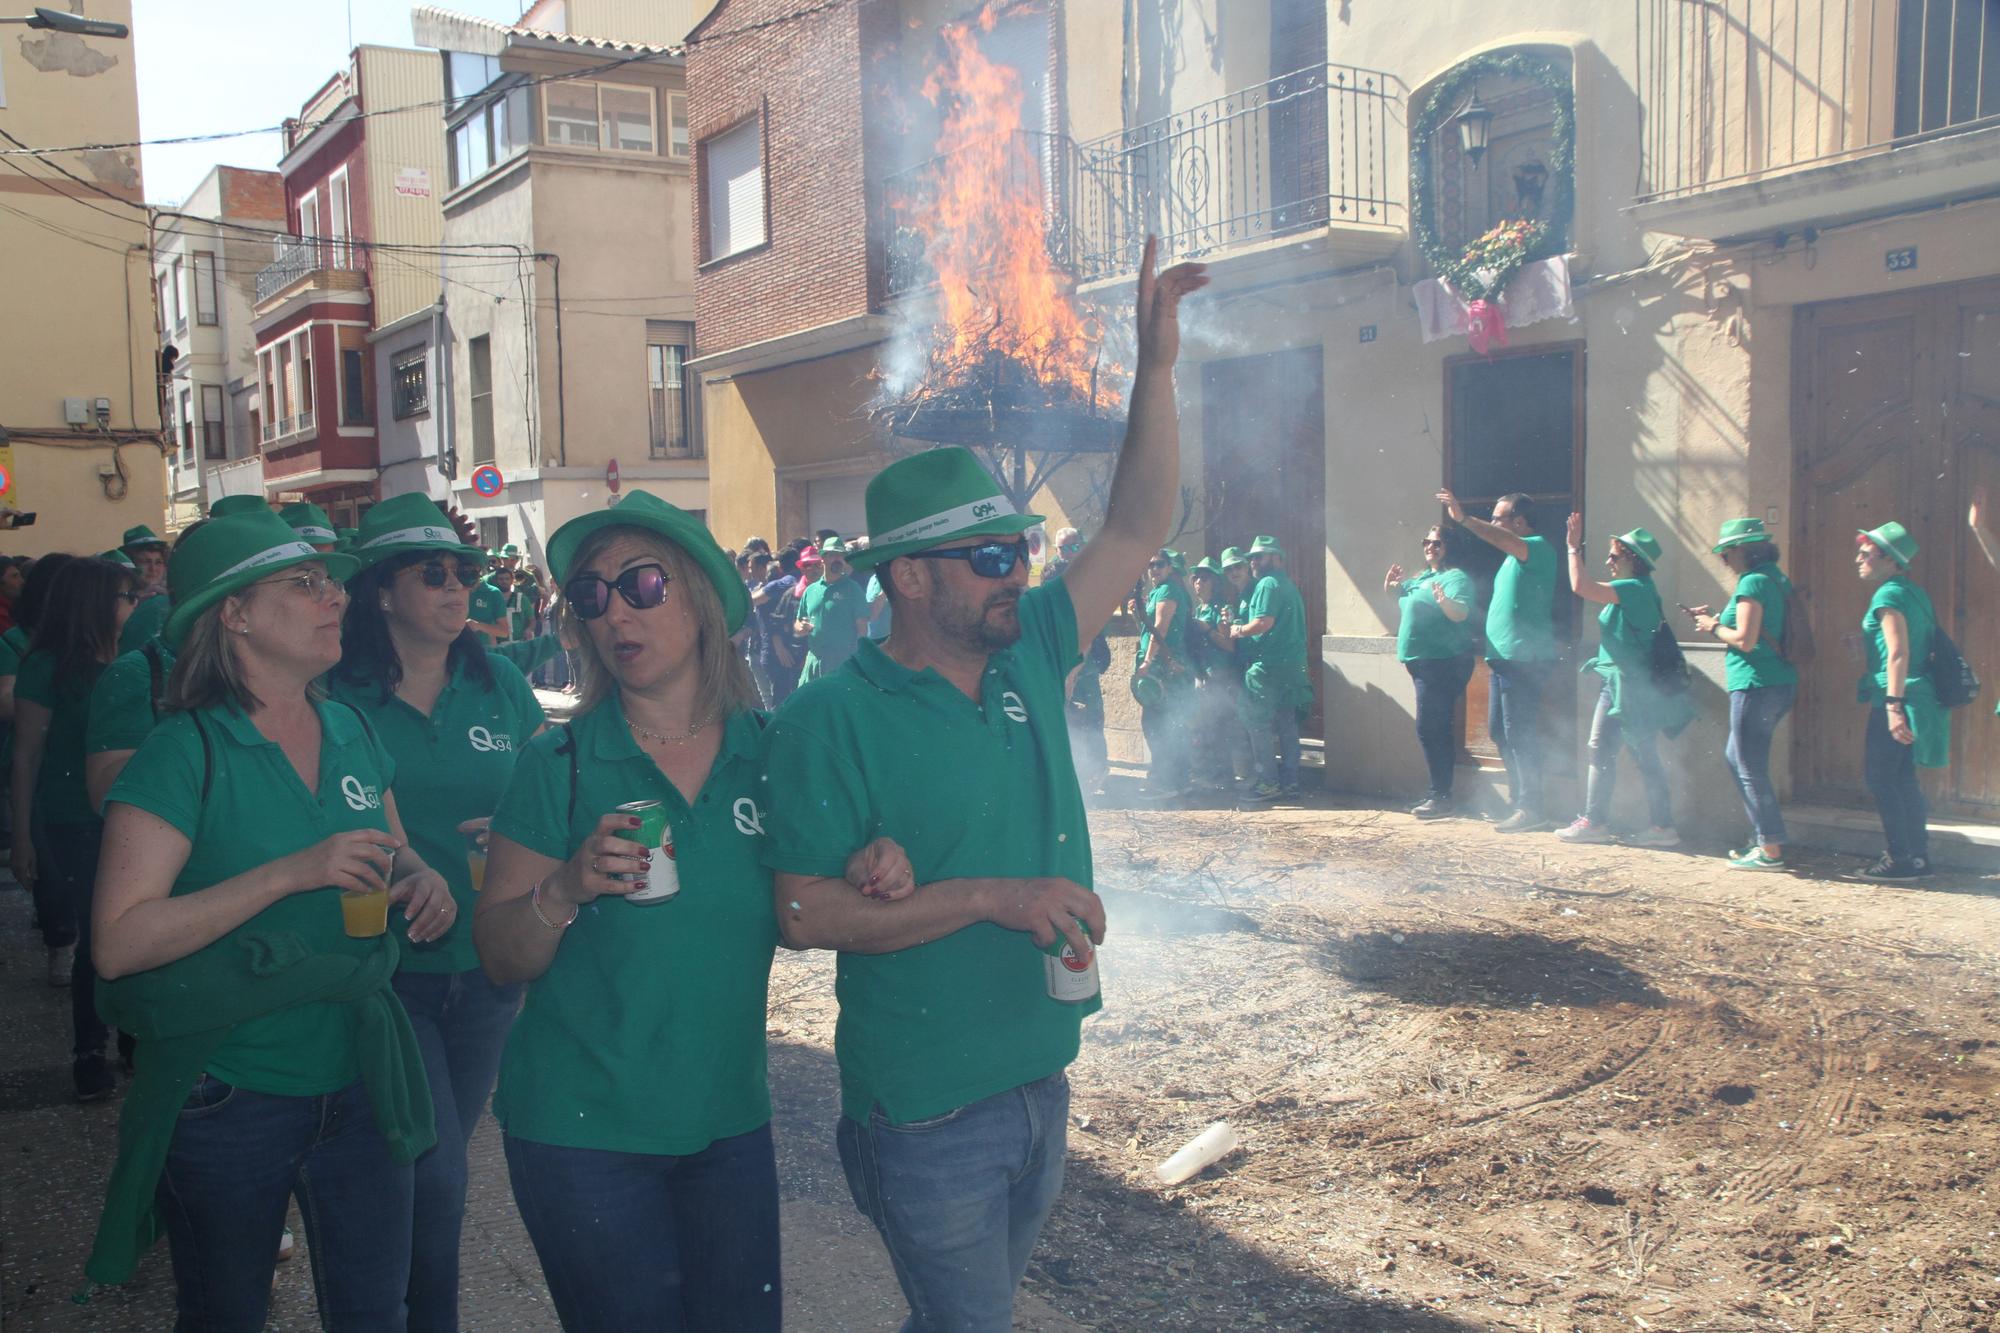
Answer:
x=735 y=169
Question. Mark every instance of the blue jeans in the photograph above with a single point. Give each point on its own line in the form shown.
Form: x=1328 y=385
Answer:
x=1440 y=683
x=1607 y=737
x=70 y=871
x=1754 y=715
x=1274 y=747
x=1890 y=771
x=236 y=1158
x=461 y=1021
x=645 y=1241
x=1514 y=721
x=959 y=1200
x=1167 y=741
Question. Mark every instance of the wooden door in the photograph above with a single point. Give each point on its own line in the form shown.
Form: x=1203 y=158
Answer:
x=1264 y=446
x=1898 y=416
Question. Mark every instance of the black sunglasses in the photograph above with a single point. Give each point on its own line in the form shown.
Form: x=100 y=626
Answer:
x=435 y=572
x=989 y=560
x=642 y=586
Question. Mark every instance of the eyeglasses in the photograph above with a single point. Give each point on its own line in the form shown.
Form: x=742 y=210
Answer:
x=1429 y=543
x=989 y=560
x=317 y=584
x=642 y=586
x=434 y=573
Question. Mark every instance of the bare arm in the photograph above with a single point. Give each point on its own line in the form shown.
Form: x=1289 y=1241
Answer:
x=1490 y=533
x=6 y=698
x=1454 y=611
x=1588 y=589
x=137 y=924
x=1163 y=619
x=1147 y=480
x=826 y=913
x=1896 y=651
x=1749 y=629
x=514 y=940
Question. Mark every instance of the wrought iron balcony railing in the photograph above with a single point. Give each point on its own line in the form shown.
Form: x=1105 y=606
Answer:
x=1732 y=90
x=299 y=256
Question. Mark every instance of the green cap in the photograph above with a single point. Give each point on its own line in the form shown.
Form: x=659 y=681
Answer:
x=1894 y=538
x=487 y=604
x=227 y=555
x=931 y=498
x=1207 y=565
x=237 y=504
x=1740 y=532
x=833 y=546
x=1233 y=555
x=1643 y=542
x=117 y=557
x=509 y=551
x=402 y=524
x=140 y=536
x=310 y=522
x=1266 y=546
x=640 y=509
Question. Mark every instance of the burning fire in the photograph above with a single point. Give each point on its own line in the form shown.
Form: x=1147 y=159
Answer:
x=983 y=222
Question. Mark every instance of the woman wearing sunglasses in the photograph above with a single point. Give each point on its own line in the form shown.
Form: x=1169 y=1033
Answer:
x=452 y=715
x=1434 y=644
x=252 y=848
x=1162 y=681
x=1907 y=728
x=632 y=1091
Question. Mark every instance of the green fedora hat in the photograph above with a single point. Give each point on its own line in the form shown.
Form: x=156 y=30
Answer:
x=117 y=557
x=1266 y=546
x=1232 y=555
x=834 y=546
x=238 y=504
x=1175 y=560
x=931 y=498
x=228 y=555
x=509 y=551
x=310 y=522
x=1207 y=565
x=1739 y=532
x=140 y=535
x=1894 y=538
x=403 y=524
x=639 y=509
x=1642 y=541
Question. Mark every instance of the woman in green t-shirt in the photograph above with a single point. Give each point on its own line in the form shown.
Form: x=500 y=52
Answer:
x=54 y=918
x=1631 y=710
x=76 y=637
x=452 y=715
x=632 y=1090
x=1907 y=728
x=1163 y=679
x=1221 y=748
x=1434 y=643
x=1762 y=684
x=252 y=850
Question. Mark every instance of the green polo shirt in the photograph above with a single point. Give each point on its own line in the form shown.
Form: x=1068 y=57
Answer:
x=520 y=613
x=646 y=1034
x=1283 y=644
x=450 y=767
x=1762 y=665
x=146 y=620
x=836 y=610
x=1425 y=632
x=1175 y=648
x=486 y=604
x=967 y=789
x=1518 y=627
x=257 y=810
x=121 y=703
x=60 y=794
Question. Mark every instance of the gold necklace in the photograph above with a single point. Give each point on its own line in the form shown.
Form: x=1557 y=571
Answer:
x=645 y=734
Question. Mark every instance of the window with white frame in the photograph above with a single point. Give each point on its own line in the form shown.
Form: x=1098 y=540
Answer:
x=615 y=117
x=180 y=310
x=671 y=433
x=677 y=125
x=569 y=114
x=214 y=434
x=206 y=310
x=165 y=299
x=627 y=114
x=186 y=424
x=490 y=134
x=733 y=174
x=409 y=382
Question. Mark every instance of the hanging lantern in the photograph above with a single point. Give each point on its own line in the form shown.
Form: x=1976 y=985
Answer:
x=1474 y=122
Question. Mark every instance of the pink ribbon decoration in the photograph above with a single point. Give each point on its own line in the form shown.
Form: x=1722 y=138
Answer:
x=1485 y=326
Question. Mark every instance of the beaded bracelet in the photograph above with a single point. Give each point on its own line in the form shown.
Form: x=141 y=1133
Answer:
x=535 y=901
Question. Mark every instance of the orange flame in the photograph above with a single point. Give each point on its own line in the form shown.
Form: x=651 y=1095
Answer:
x=983 y=225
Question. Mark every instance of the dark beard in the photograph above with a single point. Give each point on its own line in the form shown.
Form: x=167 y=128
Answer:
x=974 y=628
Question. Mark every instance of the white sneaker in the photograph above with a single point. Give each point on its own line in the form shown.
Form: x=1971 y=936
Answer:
x=1655 y=837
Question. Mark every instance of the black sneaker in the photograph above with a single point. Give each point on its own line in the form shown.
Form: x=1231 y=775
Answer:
x=1889 y=869
x=1433 y=808
x=128 y=1045
x=92 y=1076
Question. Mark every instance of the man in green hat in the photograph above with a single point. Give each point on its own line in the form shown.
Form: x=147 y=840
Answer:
x=1277 y=684
x=146 y=550
x=833 y=613
x=961 y=1005
x=1520 y=648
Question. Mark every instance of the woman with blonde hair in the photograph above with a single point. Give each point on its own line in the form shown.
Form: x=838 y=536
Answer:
x=624 y=884
x=251 y=850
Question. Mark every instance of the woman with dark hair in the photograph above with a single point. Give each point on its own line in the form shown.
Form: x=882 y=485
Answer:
x=53 y=918
x=1908 y=728
x=1762 y=684
x=452 y=715
x=1162 y=681
x=1631 y=710
x=1434 y=644
x=252 y=848
x=625 y=884
x=76 y=637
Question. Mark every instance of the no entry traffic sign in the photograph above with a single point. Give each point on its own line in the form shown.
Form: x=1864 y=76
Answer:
x=487 y=481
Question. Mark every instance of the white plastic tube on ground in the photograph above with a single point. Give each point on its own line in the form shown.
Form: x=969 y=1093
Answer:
x=1203 y=1151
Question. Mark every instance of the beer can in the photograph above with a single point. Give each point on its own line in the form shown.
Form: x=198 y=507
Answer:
x=663 y=878
x=1072 y=979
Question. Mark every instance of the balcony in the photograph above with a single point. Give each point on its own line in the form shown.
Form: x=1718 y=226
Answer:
x=317 y=261
x=1760 y=117
x=286 y=427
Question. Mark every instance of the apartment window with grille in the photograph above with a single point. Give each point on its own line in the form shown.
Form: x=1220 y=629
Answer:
x=667 y=398
x=205 y=306
x=214 y=437
x=733 y=172
x=409 y=382
x=479 y=364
